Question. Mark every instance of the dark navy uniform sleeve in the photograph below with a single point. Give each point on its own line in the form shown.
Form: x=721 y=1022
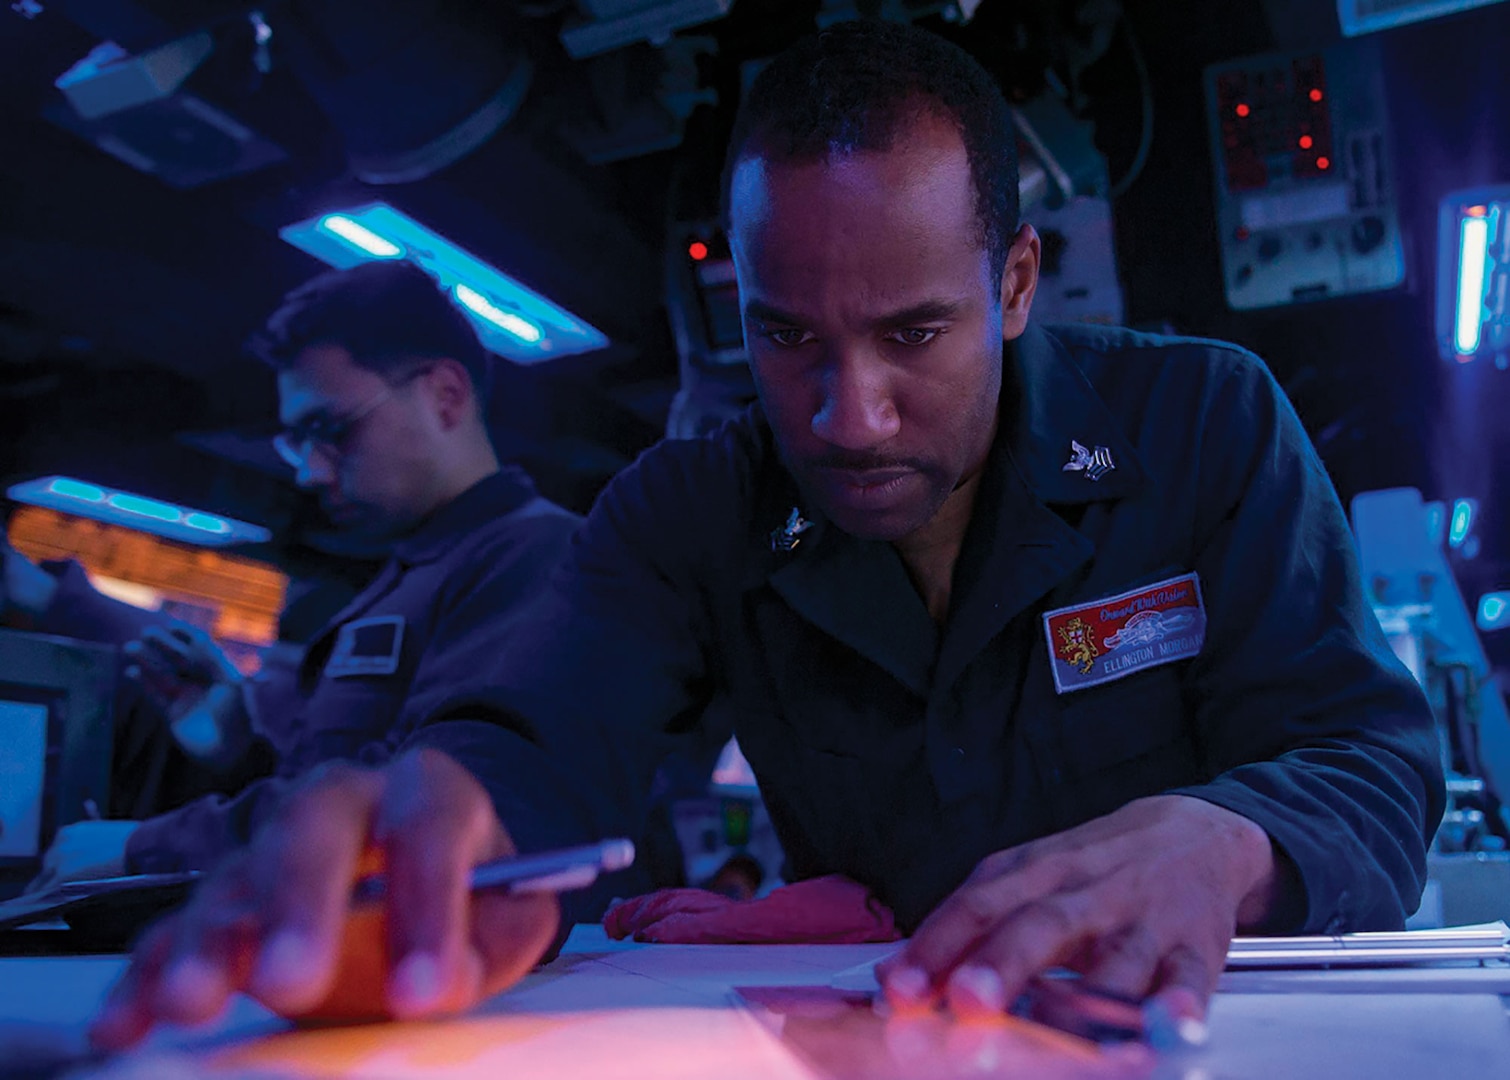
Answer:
x=585 y=700
x=1322 y=736
x=194 y=836
x=478 y=603
x=482 y=603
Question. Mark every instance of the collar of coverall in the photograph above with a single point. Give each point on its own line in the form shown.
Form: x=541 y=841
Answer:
x=487 y=500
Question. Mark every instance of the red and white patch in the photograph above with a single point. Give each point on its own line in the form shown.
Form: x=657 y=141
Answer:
x=1115 y=636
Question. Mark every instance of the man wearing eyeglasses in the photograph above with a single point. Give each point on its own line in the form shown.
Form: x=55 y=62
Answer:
x=1051 y=638
x=381 y=384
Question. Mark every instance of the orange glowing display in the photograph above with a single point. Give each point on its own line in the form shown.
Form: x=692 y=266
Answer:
x=237 y=599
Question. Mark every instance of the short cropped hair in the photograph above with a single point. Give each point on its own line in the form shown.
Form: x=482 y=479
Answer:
x=856 y=85
x=386 y=314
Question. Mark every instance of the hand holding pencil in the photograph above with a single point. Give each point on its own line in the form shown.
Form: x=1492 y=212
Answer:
x=372 y=893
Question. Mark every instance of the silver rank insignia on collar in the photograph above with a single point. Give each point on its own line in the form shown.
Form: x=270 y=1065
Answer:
x=789 y=535
x=1094 y=463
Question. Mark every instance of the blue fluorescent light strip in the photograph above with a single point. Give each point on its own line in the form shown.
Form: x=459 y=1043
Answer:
x=135 y=504
x=512 y=320
x=73 y=489
x=1494 y=610
x=206 y=522
x=363 y=239
x=136 y=512
x=522 y=329
x=1473 y=250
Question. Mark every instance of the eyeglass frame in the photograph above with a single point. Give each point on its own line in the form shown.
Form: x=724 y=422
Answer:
x=297 y=445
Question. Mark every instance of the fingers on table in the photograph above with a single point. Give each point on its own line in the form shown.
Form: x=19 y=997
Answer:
x=450 y=947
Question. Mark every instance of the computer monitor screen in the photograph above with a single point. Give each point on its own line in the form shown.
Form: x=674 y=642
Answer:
x=56 y=736
x=23 y=772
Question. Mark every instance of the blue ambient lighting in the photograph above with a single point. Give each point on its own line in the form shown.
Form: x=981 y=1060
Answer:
x=1494 y=610
x=512 y=320
x=522 y=329
x=137 y=512
x=73 y=489
x=1462 y=521
x=1434 y=514
x=151 y=508
x=207 y=523
x=364 y=239
x=1473 y=247
x=1367 y=16
x=1473 y=275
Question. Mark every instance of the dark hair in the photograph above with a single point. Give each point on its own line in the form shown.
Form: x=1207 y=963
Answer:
x=387 y=314
x=855 y=84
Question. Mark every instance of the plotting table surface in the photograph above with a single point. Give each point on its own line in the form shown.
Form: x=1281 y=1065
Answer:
x=612 y=1010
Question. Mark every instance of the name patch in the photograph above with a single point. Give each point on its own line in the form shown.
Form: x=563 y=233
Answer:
x=1094 y=643
x=367 y=647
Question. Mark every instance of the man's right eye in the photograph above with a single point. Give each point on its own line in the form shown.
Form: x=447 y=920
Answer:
x=788 y=337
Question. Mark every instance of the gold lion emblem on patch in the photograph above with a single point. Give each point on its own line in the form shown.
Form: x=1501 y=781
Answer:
x=1077 y=646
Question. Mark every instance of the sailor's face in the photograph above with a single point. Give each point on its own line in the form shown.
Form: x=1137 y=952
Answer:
x=377 y=478
x=873 y=325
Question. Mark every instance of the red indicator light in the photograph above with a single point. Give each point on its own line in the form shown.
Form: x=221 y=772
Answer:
x=1315 y=95
x=1242 y=232
x=1305 y=142
x=1323 y=163
x=1477 y=211
x=1243 y=110
x=698 y=250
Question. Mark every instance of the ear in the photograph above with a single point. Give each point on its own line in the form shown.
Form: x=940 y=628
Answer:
x=450 y=388
x=1019 y=281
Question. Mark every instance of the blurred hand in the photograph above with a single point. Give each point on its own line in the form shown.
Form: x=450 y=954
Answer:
x=274 y=920
x=187 y=677
x=1142 y=902
x=84 y=850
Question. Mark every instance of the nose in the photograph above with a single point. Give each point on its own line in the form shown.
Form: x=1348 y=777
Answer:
x=315 y=469
x=857 y=411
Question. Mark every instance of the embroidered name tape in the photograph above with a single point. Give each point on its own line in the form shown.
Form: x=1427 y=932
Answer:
x=367 y=647
x=1094 y=643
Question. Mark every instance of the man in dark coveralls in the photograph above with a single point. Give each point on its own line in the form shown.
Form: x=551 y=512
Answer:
x=1059 y=647
x=381 y=383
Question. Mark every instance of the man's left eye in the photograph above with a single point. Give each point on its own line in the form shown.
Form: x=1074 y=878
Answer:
x=914 y=335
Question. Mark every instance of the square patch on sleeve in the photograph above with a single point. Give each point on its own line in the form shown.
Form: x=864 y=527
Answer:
x=367 y=647
x=1095 y=643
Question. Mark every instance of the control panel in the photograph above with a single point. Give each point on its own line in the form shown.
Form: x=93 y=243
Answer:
x=1305 y=192
x=702 y=303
